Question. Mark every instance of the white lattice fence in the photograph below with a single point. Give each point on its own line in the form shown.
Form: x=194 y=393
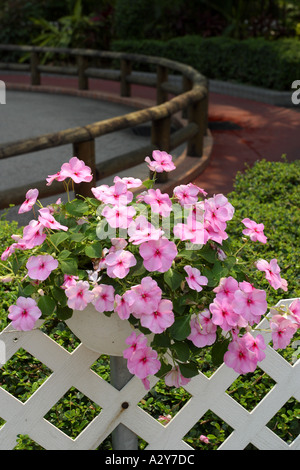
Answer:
x=74 y=370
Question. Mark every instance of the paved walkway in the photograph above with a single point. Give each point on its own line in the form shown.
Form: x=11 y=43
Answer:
x=254 y=131
x=262 y=132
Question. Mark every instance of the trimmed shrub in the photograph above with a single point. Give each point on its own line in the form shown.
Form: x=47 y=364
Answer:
x=269 y=193
x=259 y=62
x=8 y=291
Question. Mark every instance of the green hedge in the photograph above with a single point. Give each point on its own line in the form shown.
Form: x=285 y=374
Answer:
x=259 y=62
x=269 y=193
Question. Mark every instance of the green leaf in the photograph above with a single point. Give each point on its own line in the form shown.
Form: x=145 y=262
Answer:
x=188 y=370
x=58 y=237
x=219 y=271
x=17 y=262
x=77 y=237
x=173 y=279
x=179 y=305
x=230 y=261
x=64 y=254
x=208 y=253
x=218 y=351
x=28 y=290
x=165 y=368
x=94 y=250
x=138 y=269
x=78 y=207
x=47 y=305
x=181 y=350
x=190 y=255
x=181 y=329
x=148 y=184
x=63 y=313
x=161 y=340
x=69 y=266
x=212 y=281
x=59 y=295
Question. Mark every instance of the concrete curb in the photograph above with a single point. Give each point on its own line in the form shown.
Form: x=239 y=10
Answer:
x=263 y=95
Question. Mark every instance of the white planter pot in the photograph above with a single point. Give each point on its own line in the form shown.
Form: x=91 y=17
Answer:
x=102 y=334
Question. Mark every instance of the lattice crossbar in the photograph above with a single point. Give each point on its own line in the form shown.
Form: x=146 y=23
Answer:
x=73 y=369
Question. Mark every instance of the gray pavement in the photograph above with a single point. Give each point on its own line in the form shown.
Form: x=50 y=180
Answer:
x=28 y=114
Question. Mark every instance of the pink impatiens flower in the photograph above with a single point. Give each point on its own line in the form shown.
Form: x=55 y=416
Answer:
x=187 y=194
x=294 y=310
x=283 y=329
x=33 y=234
x=241 y=359
x=122 y=307
x=77 y=170
x=47 y=220
x=162 y=161
x=69 y=281
x=144 y=298
x=117 y=194
x=256 y=345
x=103 y=300
x=141 y=230
x=143 y=362
x=24 y=314
x=254 y=231
x=159 y=320
x=129 y=181
x=203 y=330
x=31 y=197
x=223 y=314
x=218 y=211
x=250 y=302
x=158 y=255
x=119 y=216
x=227 y=288
x=160 y=202
x=79 y=295
x=174 y=378
x=272 y=273
x=194 y=278
x=119 y=263
x=40 y=267
x=135 y=342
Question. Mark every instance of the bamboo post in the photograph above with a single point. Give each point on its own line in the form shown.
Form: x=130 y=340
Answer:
x=86 y=151
x=125 y=72
x=160 y=139
x=34 y=64
x=162 y=76
x=122 y=437
x=198 y=115
x=83 y=81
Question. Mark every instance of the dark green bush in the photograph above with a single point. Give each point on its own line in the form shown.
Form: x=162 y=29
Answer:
x=259 y=62
x=7 y=290
x=269 y=193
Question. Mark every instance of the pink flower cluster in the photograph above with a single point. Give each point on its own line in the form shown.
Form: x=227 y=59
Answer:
x=234 y=307
x=283 y=327
x=75 y=169
x=142 y=360
x=207 y=219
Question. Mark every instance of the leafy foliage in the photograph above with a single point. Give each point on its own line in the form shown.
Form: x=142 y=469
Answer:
x=254 y=61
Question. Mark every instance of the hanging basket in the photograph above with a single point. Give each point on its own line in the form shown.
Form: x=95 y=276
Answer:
x=100 y=333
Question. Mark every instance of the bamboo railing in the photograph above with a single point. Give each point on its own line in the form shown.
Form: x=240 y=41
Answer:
x=191 y=99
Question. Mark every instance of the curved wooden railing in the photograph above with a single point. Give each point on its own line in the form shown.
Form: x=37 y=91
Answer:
x=191 y=98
